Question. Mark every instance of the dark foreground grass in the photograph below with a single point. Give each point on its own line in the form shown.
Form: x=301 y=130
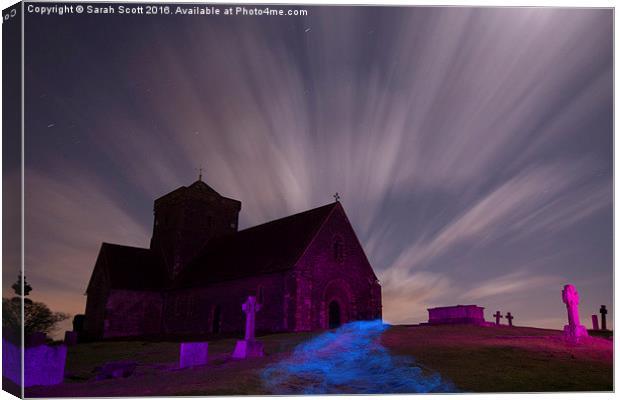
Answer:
x=504 y=359
x=475 y=359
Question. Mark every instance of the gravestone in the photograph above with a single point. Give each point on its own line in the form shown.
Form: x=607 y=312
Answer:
x=43 y=364
x=595 y=322
x=509 y=317
x=116 y=369
x=193 y=354
x=574 y=329
x=249 y=347
x=603 y=312
x=71 y=338
x=497 y=316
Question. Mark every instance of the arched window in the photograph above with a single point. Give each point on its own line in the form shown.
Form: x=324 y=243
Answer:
x=338 y=249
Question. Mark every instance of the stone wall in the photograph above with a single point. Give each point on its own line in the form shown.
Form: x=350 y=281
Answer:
x=132 y=313
x=96 y=305
x=191 y=311
x=335 y=268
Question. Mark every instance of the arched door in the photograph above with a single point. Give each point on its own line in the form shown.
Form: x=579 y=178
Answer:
x=334 y=315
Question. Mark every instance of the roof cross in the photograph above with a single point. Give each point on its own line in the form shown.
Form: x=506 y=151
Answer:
x=336 y=196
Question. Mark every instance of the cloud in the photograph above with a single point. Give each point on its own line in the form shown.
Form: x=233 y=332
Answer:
x=406 y=296
x=65 y=222
x=506 y=285
x=537 y=198
x=440 y=128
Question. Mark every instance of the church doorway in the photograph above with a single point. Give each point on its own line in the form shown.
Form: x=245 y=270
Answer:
x=216 y=320
x=334 y=315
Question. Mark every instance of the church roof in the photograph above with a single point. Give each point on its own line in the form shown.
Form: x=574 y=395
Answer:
x=270 y=247
x=198 y=188
x=131 y=268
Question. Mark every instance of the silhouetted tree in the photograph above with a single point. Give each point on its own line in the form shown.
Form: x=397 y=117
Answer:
x=17 y=286
x=37 y=316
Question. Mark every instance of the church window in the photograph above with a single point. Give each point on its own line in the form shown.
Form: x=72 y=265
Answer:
x=338 y=249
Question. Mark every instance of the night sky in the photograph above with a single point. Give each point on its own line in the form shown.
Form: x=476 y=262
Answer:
x=472 y=148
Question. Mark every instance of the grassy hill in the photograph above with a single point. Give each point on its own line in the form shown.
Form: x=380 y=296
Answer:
x=474 y=359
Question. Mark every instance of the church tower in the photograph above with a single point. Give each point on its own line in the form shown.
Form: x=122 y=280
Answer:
x=186 y=219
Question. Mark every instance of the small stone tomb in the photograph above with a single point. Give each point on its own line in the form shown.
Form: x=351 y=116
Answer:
x=249 y=347
x=574 y=329
x=43 y=365
x=459 y=314
x=193 y=354
x=117 y=369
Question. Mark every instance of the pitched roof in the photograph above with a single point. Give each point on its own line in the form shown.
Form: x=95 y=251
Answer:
x=270 y=247
x=131 y=268
x=198 y=188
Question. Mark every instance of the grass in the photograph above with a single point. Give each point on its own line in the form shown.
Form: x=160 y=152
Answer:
x=504 y=359
x=475 y=359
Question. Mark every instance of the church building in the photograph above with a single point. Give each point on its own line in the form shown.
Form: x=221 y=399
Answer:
x=308 y=271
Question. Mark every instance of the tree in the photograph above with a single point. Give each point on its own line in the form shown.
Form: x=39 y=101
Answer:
x=17 y=286
x=37 y=316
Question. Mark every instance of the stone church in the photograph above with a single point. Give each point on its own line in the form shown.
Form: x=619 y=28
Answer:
x=308 y=271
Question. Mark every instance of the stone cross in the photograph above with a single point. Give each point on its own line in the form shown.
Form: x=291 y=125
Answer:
x=497 y=317
x=509 y=317
x=570 y=297
x=603 y=312
x=336 y=196
x=595 y=322
x=250 y=308
x=200 y=173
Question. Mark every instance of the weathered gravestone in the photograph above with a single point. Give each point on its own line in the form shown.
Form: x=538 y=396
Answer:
x=509 y=317
x=497 y=316
x=43 y=365
x=603 y=312
x=595 y=322
x=249 y=347
x=116 y=369
x=71 y=338
x=193 y=354
x=574 y=329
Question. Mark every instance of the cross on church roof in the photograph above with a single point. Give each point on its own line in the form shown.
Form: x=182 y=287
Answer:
x=200 y=174
x=336 y=196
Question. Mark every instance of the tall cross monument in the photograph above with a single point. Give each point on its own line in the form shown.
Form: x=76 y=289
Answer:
x=250 y=308
x=249 y=347
x=574 y=329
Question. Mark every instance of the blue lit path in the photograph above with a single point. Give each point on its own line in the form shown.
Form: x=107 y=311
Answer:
x=349 y=360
